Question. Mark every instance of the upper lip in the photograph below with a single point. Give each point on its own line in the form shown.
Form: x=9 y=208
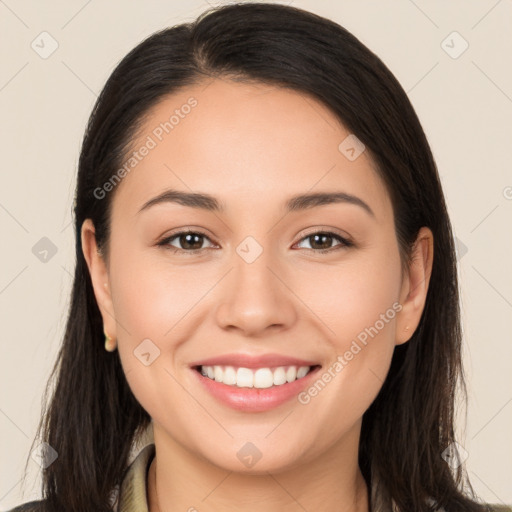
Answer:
x=251 y=361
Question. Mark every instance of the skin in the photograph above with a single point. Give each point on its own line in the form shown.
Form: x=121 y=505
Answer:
x=253 y=146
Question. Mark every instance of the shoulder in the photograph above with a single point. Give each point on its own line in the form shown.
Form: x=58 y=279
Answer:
x=29 y=506
x=500 y=508
x=133 y=486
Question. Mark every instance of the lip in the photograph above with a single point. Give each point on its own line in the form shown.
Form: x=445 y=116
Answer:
x=250 y=361
x=255 y=399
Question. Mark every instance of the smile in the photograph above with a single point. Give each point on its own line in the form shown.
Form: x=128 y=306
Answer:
x=253 y=383
x=260 y=378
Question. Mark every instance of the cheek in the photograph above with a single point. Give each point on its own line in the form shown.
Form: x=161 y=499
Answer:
x=155 y=303
x=151 y=295
x=352 y=296
x=152 y=302
x=357 y=305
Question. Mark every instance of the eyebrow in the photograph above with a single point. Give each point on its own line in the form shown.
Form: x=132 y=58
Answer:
x=295 y=203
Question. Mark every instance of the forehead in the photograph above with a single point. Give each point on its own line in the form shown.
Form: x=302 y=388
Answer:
x=247 y=143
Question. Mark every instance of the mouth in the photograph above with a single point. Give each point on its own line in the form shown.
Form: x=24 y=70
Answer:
x=254 y=384
x=258 y=378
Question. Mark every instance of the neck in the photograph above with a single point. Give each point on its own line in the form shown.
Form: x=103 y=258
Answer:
x=179 y=480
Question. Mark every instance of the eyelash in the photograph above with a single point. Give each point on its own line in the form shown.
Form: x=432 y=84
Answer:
x=344 y=243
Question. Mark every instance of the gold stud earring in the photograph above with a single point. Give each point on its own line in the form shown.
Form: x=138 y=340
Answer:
x=110 y=343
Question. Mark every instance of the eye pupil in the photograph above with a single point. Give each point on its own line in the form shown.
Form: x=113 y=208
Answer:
x=188 y=244
x=322 y=237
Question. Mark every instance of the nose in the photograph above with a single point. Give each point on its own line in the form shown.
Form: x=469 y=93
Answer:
x=256 y=298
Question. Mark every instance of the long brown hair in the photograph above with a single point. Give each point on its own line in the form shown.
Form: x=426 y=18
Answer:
x=93 y=419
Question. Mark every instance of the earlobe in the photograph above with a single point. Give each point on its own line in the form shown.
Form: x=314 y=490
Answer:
x=413 y=294
x=99 y=276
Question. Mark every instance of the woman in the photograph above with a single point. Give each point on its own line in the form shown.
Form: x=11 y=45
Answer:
x=265 y=279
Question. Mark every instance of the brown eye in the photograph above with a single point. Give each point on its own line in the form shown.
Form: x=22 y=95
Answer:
x=322 y=241
x=187 y=241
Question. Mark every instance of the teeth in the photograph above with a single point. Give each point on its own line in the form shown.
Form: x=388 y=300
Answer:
x=279 y=376
x=244 y=377
x=260 y=378
x=302 y=371
x=229 y=376
x=291 y=374
x=263 y=378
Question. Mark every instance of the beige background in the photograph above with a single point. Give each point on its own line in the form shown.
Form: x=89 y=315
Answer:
x=464 y=103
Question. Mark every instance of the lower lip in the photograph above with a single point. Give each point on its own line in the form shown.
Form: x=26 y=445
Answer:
x=255 y=399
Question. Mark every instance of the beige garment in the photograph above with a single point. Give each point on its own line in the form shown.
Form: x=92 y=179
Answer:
x=132 y=495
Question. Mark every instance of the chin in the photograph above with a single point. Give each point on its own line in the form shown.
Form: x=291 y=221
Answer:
x=254 y=457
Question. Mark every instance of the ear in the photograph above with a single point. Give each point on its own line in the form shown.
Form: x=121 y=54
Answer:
x=413 y=293
x=99 y=277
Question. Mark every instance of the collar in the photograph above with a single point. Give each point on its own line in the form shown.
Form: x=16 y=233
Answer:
x=133 y=492
x=132 y=495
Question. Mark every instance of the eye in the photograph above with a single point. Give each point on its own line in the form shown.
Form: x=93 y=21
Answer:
x=325 y=238
x=190 y=241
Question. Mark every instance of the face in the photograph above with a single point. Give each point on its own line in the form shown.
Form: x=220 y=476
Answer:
x=261 y=286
